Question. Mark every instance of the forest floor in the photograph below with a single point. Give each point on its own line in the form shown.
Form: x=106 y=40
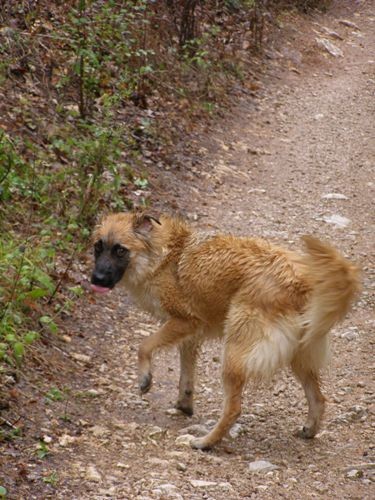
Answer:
x=265 y=170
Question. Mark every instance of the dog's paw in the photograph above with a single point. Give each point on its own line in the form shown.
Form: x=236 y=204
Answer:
x=306 y=433
x=200 y=444
x=186 y=409
x=145 y=383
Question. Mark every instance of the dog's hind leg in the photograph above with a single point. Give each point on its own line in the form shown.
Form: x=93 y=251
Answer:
x=310 y=381
x=172 y=332
x=188 y=356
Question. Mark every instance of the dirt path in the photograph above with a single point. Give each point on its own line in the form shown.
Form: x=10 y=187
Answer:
x=262 y=172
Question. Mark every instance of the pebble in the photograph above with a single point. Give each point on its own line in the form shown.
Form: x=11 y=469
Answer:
x=99 y=431
x=195 y=430
x=200 y=483
x=334 y=196
x=121 y=465
x=92 y=474
x=236 y=430
x=337 y=220
x=354 y=474
x=80 y=357
x=332 y=49
x=158 y=461
x=66 y=440
x=173 y=411
x=181 y=467
x=156 y=432
x=261 y=466
x=184 y=440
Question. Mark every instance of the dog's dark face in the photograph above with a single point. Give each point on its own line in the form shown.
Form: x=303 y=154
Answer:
x=120 y=239
x=111 y=261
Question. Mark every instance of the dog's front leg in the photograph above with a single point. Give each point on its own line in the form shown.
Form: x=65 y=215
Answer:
x=172 y=332
x=188 y=356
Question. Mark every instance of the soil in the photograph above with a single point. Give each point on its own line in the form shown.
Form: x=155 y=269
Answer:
x=307 y=131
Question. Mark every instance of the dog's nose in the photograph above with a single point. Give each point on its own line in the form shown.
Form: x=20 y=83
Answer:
x=99 y=277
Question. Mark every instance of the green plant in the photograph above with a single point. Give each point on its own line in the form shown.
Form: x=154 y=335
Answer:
x=42 y=450
x=3 y=492
x=100 y=37
x=54 y=394
x=51 y=479
x=10 y=434
x=24 y=281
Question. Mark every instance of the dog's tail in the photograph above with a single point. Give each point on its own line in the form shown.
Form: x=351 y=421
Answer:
x=334 y=281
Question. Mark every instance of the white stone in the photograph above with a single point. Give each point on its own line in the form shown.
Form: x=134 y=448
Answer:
x=337 y=220
x=334 y=196
x=200 y=483
x=92 y=474
x=329 y=47
x=261 y=466
x=65 y=440
x=184 y=440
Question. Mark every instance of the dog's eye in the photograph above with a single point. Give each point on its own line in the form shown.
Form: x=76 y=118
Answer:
x=121 y=251
x=98 y=247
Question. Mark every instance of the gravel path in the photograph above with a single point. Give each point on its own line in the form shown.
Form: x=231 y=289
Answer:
x=297 y=159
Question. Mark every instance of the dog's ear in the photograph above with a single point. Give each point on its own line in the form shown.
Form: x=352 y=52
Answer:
x=143 y=224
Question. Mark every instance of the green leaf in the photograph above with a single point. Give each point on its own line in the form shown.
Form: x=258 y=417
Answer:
x=30 y=337
x=55 y=394
x=18 y=350
x=47 y=321
x=3 y=492
x=44 y=279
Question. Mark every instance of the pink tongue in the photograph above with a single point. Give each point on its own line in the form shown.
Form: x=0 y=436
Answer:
x=99 y=289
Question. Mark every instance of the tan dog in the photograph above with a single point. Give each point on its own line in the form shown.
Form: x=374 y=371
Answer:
x=273 y=307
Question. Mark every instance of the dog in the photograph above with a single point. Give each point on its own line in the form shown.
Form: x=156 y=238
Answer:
x=272 y=307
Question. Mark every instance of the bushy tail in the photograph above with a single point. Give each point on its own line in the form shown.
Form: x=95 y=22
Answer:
x=334 y=281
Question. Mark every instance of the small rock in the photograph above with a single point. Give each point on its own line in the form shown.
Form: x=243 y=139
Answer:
x=354 y=474
x=156 y=432
x=47 y=439
x=121 y=465
x=236 y=430
x=337 y=220
x=261 y=466
x=181 y=467
x=158 y=461
x=66 y=440
x=80 y=357
x=173 y=411
x=200 y=483
x=334 y=196
x=168 y=487
x=329 y=47
x=108 y=492
x=92 y=474
x=99 y=431
x=257 y=190
x=195 y=430
x=184 y=440
x=352 y=335
x=349 y=24
x=93 y=393
x=225 y=486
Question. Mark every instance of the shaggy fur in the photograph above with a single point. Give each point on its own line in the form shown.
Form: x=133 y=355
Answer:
x=272 y=307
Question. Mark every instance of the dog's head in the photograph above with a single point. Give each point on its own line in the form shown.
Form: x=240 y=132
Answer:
x=119 y=240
